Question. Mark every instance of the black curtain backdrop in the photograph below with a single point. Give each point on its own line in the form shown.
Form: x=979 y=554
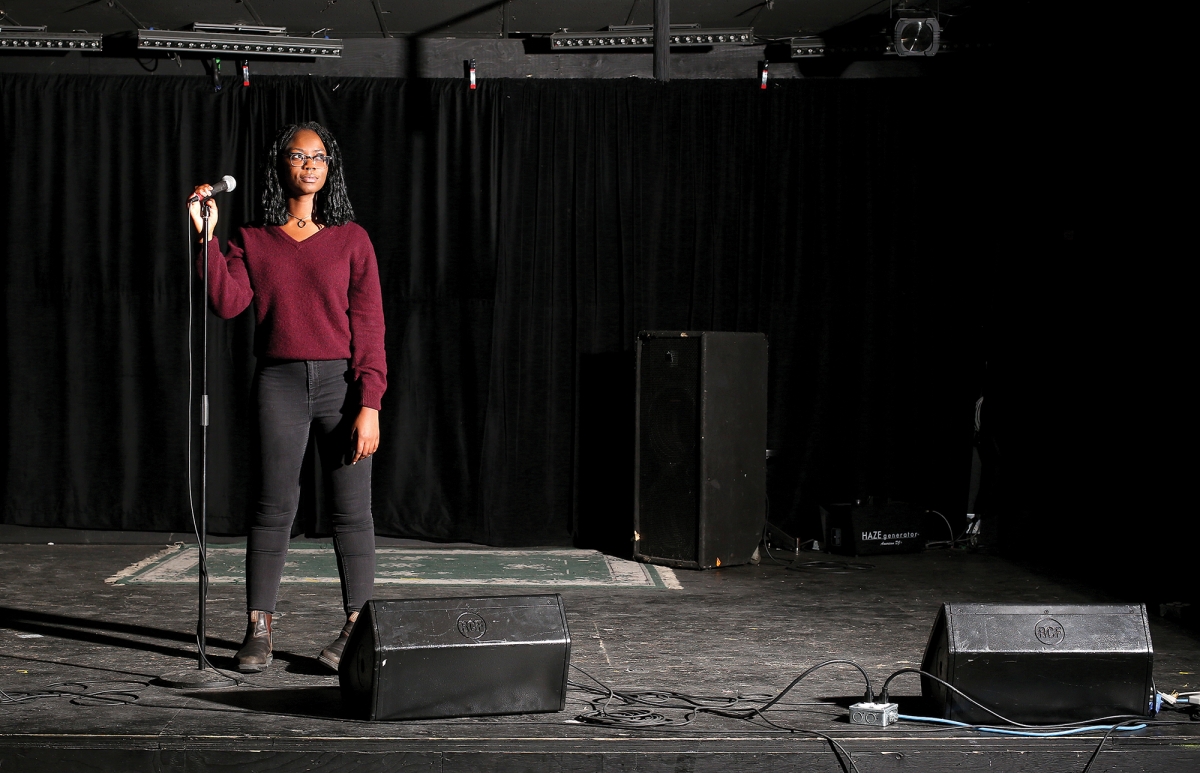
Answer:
x=526 y=232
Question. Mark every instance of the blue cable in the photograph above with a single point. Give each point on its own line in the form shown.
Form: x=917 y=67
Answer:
x=1006 y=731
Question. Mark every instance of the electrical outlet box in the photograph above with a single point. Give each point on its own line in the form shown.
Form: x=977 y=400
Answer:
x=876 y=714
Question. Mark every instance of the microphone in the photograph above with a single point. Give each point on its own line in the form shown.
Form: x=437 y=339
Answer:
x=226 y=183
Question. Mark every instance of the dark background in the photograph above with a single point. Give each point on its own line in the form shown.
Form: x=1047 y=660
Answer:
x=993 y=227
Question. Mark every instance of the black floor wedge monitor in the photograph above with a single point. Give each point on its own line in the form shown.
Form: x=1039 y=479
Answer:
x=1040 y=663
x=457 y=657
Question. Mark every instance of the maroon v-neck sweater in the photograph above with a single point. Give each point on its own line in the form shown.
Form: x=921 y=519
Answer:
x=318 y=299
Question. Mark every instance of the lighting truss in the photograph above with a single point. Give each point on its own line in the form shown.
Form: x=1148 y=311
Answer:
x=642 y=36
x=254 y=29
x=808 y=47
x=38 y=39
x=238 y=41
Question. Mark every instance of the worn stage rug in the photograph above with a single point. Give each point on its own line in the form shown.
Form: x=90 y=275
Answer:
x=315 y=562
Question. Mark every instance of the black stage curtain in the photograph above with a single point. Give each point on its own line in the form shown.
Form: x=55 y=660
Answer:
x=526 y=232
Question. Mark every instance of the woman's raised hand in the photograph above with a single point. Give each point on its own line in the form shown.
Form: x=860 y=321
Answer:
x=203 y=192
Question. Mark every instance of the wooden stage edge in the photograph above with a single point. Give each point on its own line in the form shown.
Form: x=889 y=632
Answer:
x=735 y=631
x=701 y=755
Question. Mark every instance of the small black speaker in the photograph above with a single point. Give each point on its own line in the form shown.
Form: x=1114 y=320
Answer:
x=1040 y=663
x=457 y=657
x=700 y=480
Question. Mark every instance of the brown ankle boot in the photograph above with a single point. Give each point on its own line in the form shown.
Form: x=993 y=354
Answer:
x=255 y=654
x=331 y=656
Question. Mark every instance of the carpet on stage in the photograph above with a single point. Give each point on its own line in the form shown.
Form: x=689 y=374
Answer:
x=315 y=562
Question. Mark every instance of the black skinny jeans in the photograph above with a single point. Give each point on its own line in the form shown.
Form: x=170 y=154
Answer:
x=294 y=398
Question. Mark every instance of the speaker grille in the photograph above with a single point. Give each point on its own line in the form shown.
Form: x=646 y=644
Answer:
x=668 y=428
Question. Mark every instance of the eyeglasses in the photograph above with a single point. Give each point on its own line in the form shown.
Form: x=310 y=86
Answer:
x=298 y=159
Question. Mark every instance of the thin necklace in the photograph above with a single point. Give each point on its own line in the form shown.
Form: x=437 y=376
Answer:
x=300 y=221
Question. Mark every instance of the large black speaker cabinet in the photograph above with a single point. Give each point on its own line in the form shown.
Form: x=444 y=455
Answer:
x=457 y=657
x=1040 y=663
x=700 y=457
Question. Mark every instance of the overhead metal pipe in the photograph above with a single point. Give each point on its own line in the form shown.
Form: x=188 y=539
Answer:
x=662 y=38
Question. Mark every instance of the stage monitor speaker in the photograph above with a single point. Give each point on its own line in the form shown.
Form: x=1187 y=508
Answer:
x=1040 y=663
x=700 y=479
x=457 y=657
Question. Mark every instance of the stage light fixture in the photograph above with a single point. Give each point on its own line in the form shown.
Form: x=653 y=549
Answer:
x=642 y=36
x=915 y=35
x=13 y=38
x=808 y=47
x=239 y=41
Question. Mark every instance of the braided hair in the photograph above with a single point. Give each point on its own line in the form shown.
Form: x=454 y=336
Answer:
x=331 y=205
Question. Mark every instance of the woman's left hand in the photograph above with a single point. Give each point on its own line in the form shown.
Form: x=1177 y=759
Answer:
x=364 y=437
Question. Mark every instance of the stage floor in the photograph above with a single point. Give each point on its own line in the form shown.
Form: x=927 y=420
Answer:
x=739 y=630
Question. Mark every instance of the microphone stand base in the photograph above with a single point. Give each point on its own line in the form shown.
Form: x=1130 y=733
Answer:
x=196 y=679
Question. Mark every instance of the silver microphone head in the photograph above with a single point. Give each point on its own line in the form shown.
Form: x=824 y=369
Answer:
x=230 y=183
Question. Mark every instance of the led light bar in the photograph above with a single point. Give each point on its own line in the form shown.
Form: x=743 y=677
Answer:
x=808 y=47
x=643 y=37
x=38 y=39
x=238 y=45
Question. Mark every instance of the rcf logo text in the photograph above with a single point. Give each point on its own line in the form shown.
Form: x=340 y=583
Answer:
x=1049 y=631
x=471 y=625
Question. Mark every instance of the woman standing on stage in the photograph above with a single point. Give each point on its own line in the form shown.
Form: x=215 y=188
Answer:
x=311 y=274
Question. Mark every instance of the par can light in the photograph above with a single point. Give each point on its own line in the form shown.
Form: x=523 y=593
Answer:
x=916 y=36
